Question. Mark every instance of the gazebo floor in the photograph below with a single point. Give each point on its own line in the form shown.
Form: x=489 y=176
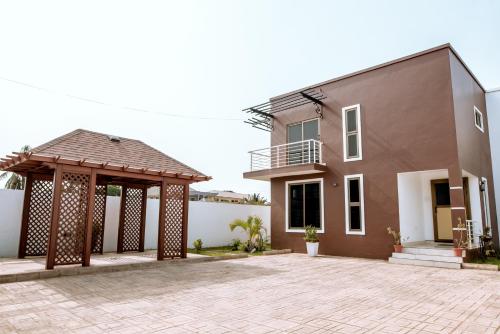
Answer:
x=32 y=268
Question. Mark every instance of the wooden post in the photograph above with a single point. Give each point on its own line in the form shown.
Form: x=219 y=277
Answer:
x=87 y=247
x=161 y=220
x=26 y=212
x=185 y=210
x=143 y=218
x=121 y=225
x=54 y=222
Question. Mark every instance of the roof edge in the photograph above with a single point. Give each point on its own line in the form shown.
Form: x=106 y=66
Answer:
x=382 y=65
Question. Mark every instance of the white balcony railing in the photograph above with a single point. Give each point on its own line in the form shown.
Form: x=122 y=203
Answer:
x=291 y=154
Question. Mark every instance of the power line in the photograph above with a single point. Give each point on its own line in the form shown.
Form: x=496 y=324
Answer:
x=133 y=109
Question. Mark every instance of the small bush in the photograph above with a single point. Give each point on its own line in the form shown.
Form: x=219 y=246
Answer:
x=235 y=244
x=198 y=244
x=310 y=234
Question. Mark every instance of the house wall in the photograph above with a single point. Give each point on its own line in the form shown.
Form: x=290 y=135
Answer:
x=493 y=107
x=407 y=125
x=206 y=220
x=473 y=145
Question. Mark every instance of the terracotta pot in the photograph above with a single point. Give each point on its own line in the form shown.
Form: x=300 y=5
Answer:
x=398 y=248
x=458 y=252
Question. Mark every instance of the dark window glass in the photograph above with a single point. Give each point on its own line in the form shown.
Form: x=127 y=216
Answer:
x=296 y=205
x=355 y=218
x=313 y=205
x=354 y=190
x=352 y=145
x=351 y=120
x=442 y=193
x=294 y=133
x=311 y=130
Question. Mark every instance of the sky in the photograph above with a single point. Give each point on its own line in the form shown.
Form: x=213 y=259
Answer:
x=176 y=74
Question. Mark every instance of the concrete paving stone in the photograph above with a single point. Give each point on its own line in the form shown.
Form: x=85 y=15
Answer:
x=289 y=293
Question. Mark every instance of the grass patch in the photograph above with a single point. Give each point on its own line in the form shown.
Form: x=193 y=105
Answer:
x=223 y=250
x=489 y=260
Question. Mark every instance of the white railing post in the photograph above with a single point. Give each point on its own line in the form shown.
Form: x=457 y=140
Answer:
x=278 y=156
x=251 y=161
x=309 y=149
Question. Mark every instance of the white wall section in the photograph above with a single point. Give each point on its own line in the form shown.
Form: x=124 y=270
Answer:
x=206 y=220
x=493 y=119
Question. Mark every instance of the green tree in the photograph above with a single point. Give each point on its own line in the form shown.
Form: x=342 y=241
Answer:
x=254 y=227
x=256 y=199
x=15 y=181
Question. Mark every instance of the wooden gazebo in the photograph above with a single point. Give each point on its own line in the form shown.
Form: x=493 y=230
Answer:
x=65 y=196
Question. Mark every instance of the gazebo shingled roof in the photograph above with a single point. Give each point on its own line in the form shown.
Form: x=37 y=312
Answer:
x=92 y=149
x=66 y=189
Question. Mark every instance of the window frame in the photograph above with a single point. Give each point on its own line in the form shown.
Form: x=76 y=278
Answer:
x=321 y=203
x=302 y=128
x=356 y=107
x=361 y=190
x=478 y=112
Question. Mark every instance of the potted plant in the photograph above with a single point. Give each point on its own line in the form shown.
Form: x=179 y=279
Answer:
x=460 y=243
x=396 y=237
x=312 y=241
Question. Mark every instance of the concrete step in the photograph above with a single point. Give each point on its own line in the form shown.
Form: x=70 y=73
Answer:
x=436 y=264
x=428 y=251
x=424 y=257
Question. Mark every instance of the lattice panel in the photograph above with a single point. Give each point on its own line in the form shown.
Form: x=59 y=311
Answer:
x=98 y=219
x=132 y=222
x=40 y=211
x=173 y=220
x=72 y=218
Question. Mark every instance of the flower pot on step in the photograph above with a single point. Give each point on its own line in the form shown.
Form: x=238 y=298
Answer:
x=458 y=252
x=398 y=248
x=312 y=248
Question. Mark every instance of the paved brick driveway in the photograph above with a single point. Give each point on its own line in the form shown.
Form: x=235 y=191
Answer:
x=273 y=294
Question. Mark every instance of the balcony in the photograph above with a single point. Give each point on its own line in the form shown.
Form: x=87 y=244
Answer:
x=298 y=158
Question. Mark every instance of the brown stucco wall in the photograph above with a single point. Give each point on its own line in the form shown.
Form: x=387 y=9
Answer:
x=473 y=145
x=407 y=125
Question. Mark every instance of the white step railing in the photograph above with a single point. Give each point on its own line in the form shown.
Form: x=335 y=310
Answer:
x=474 y=230
x=297 y=153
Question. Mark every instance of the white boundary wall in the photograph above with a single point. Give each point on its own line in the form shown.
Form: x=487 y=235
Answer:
x=207 y=221
x=493 y=107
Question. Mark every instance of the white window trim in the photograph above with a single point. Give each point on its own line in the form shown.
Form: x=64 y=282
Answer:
x=322 y=218
x=344 y=132
x=476 y=110
x=362 y=203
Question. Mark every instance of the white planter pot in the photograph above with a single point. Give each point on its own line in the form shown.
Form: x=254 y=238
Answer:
x=312 y=248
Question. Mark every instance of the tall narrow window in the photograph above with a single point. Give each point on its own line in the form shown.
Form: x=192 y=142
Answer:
x=351 y=128
x=354 y=207
x=304 y=205
x=478 y=119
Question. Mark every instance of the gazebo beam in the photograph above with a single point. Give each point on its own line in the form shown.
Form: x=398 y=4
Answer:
x=87 y=248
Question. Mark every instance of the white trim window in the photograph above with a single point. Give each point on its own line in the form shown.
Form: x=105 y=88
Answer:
x=478 y=119
x=354 y=204
x=304 y=205
x=351 y=130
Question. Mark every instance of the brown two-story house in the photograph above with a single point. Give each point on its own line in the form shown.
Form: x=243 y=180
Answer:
x=403 y=144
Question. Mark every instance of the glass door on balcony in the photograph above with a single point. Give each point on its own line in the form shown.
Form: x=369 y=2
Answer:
x=300 y=151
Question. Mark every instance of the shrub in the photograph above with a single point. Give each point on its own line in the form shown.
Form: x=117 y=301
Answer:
x=198 y=244
x=255 y=230
x=235 y=244
x=310 y=234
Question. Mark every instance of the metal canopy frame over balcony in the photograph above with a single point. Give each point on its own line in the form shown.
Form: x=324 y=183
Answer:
x=297 y=158
x=261 y=115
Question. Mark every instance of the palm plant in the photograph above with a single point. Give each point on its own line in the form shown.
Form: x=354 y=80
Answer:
x=15 y=181
x=256 y=199
x=254 y=227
